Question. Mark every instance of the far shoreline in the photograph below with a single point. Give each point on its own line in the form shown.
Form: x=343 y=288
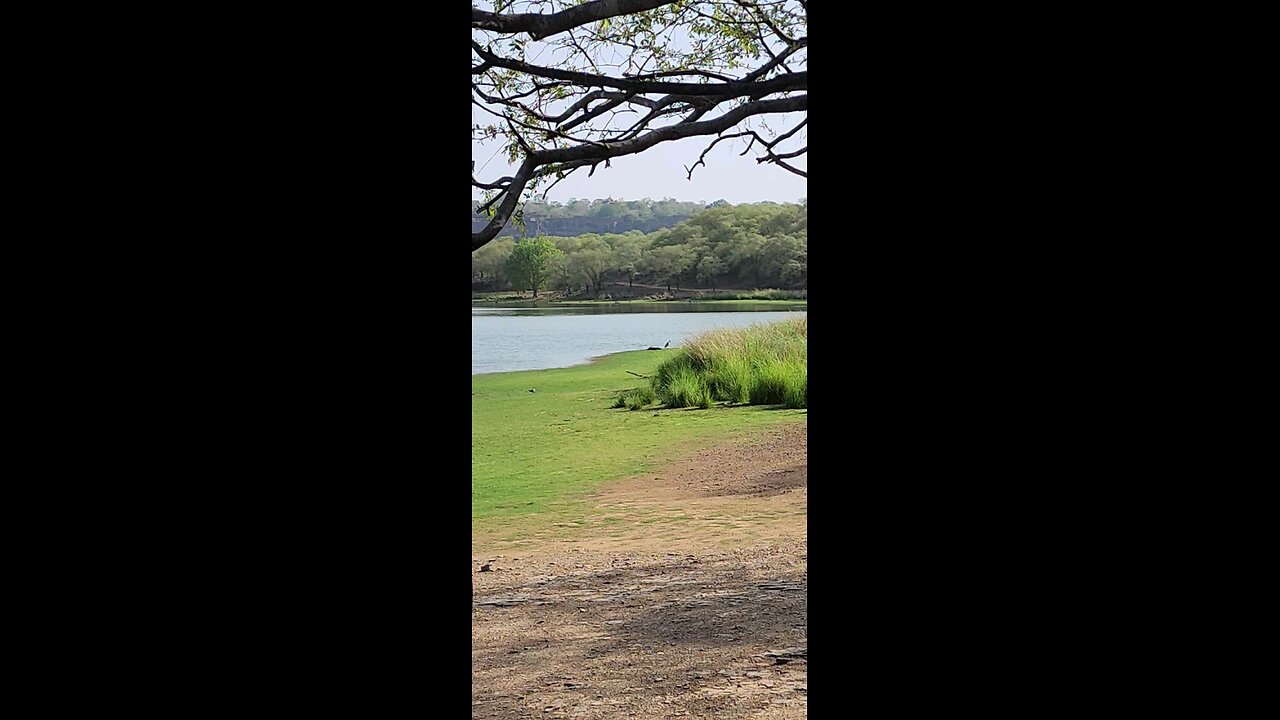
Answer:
x=529 y=302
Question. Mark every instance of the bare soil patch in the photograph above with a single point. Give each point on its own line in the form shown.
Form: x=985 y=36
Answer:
x=681 y=593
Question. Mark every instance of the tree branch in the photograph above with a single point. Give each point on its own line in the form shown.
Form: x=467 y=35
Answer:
x=680 y=86
x=777 y=59
x=783 y=156
x=672 y=132
x=594 y=154
x=787 y=167
x=794 y=81
x=495 y=185
x=677 y=73
x=503 y=213
x=540 y=25
x=765 y=19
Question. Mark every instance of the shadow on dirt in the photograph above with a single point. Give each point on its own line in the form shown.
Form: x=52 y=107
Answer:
x=678 y=606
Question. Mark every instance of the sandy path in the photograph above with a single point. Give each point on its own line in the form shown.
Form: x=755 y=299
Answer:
x=664 y=602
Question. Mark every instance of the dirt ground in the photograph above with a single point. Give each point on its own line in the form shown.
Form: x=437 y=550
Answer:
x=682 y=593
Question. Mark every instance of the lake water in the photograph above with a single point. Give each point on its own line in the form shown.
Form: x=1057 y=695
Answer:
x=504 y=339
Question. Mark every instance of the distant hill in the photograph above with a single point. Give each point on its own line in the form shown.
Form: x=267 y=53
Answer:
x=578 y=217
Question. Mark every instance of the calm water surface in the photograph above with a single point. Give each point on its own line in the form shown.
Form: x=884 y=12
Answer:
x=504 y=339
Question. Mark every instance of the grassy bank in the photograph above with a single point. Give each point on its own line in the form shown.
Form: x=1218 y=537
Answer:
x=760 y=365
x=538 y=452
x=765 y=298
x=757 y=302
x=756 y=295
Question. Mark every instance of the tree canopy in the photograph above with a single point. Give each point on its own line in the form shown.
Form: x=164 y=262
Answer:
x=530 y=263
x=567 y=84
x=743 y=246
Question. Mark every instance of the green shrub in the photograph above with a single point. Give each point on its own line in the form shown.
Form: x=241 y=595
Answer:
x=636 y=398
x=640 y=397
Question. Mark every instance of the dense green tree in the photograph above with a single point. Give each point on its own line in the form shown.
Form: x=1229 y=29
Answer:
x=529 y=265
x=776 y=253
x=710 y=268
x=670 y=262
x=626 y=252
x=744 y=254
x=795 y=273
x=590 y=262
x=488 y=264
x=561 y=272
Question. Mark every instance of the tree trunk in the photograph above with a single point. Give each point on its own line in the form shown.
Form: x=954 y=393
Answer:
x=535 y=292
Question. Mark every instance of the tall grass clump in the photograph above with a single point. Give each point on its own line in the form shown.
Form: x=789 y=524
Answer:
x=781 y=382
x=637 y=398
x=761 y=365
x=686 y=389
x=729 y=379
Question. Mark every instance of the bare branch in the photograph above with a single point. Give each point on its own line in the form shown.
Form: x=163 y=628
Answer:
x=601 y=109
x=788 y=134
x=784 y=156
x=566 y=168
x=787 y=167
x=701 y=157
x=657 y=112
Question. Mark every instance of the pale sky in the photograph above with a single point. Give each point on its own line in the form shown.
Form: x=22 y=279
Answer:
x=659 y=172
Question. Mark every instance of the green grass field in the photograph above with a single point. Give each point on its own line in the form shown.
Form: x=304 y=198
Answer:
x=540 y=452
